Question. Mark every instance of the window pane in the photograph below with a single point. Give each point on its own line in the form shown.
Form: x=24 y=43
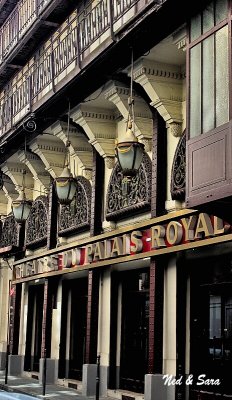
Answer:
x=221 y=10
x=195 y=29
x=222 y=77
x=208 y=85
x=215 y=317
x=208 y=17
x=195 y=91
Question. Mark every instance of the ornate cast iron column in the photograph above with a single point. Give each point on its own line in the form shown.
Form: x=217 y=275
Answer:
x=159 y=157
x=52 y=218
x=93 y=277
x=159 y=166
x=155 y=339
x=44 y=321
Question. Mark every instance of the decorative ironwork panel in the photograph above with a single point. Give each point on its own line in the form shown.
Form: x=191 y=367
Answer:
x=179 y=171
x=10 y=232
x=138 y=198
x=37 y=222
x=76 y=216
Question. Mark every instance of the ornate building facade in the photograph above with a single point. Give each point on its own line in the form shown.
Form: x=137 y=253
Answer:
x=137 y=273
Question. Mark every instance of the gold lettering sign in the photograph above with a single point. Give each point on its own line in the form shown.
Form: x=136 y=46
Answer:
x=126 y=243
x=117 y=247
x=88 y=253
x=137 y=243
x=204 y=226
x=174 y=232
x=189 y=225
x=107 y=248
x=171 y=233
x=99 y=251
x=157 y=236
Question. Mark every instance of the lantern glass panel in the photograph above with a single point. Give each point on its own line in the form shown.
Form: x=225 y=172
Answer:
x=65 y=190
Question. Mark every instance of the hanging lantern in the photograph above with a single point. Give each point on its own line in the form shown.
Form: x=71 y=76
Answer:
x=129 y=153
x=21 y=208
x=65 y=186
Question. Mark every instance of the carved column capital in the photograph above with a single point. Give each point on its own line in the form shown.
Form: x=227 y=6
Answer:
x=175 y=128
x=147 y=144
x=87 y=173
x=110 y=162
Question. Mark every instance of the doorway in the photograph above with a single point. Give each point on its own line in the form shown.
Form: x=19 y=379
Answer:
x=211 y=331
x=73 y=328
x=134 y=330
x=34 y=327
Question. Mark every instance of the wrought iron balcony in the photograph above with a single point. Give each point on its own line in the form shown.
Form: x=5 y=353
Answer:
x=19 y=21
x=68 y=48
x=29 y=23
x=6 y=7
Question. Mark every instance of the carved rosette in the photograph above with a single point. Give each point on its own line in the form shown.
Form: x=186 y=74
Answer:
x=10 y=232
x=138 y=198
x=37 y=223
x=179 y=171
x=76 y=216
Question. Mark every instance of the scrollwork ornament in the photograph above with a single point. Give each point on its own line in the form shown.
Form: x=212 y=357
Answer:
x=120 y=202
x=10 y=232
x=178 y=179
x=76 y=216
x=37 y=222
x=29 y=124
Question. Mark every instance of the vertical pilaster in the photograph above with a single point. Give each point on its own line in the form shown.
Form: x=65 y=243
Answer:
x=52 y=218
x=12 y=298
x=92 y=317
x=159 y=158
x=163 y=360
x=44 y=321
x=5 y=276
x=104 y=329
x=93 y=275
x=15 y=358
x=170 y=301
x=181 y=301
x=159 y=162
x=97 y=194
x=23 y=318
x=155 y=339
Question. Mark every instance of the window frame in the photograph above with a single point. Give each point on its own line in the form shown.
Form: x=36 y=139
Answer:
x=189 y=46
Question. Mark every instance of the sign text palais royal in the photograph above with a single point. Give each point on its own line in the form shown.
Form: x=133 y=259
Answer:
x=170 y=234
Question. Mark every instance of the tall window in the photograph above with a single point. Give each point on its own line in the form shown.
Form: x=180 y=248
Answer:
x=209 y=69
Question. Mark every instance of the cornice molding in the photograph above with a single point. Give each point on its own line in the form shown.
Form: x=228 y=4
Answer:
x=154 y=69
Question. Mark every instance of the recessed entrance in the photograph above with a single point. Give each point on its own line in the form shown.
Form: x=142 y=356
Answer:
x=73 y=329
x=132 y=314
x=34 y=327
x=211 y=331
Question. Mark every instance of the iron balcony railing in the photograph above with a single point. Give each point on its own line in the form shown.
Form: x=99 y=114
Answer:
x=67 y=49
x=18 y=23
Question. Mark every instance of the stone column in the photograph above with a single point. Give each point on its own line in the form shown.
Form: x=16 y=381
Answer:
x=154 y=383
x=5 y=276
x=103 y=348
